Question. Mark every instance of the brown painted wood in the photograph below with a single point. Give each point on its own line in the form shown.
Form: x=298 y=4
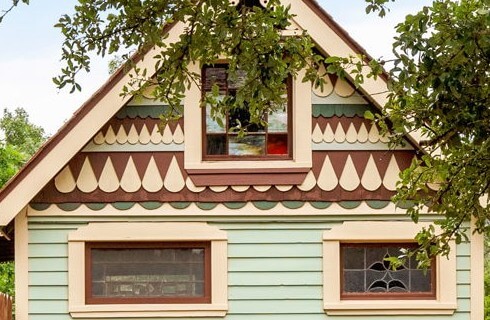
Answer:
x=245 y=179
x=5 y=307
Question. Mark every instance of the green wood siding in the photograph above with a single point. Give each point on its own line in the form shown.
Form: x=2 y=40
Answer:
x=275 y=271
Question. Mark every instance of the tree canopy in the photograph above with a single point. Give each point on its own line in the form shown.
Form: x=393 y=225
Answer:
x=440 y=86
x=19 y=140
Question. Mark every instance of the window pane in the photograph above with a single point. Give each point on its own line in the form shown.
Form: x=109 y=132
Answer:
x=147 y=272
x=277 y=144
x=368 y=263
x=214 y=125
x=216 y=144
x=278 y=121
x=252 y=145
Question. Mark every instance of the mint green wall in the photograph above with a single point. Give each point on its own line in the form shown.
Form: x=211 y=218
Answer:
x=275 y=271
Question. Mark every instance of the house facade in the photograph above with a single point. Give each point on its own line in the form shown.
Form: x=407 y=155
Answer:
x=114 y=219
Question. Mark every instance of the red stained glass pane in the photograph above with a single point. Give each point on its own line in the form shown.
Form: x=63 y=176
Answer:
x=277 y=144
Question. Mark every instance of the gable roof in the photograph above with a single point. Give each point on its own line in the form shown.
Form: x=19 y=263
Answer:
x=329 y=37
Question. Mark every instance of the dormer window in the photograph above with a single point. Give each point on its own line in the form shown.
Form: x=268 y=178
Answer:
x=222 y=139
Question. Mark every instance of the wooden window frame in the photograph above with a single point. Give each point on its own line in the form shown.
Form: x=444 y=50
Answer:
x=386 y=295
x=228 y=157
x=147 y=232
x=147 y=300
x=393 y=231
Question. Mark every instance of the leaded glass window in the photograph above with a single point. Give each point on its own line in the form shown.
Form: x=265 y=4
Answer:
x=366 y=273
x=221 y=141
x=148 y=272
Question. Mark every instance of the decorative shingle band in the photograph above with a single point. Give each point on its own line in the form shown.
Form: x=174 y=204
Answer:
x=148 y=133
x=158 y=172
x=206 y=206
x=339 y=110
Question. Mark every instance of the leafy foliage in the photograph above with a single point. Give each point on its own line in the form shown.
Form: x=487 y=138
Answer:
x=7 y=278
x=20 y=141
x=20 y=133
x=440 y=90
x=248 y=36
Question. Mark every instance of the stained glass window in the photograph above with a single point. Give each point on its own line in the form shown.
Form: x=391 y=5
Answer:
x=222 y=142
x=147 y=273
x=365 y=271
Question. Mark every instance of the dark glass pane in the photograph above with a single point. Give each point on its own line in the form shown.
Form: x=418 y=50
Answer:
x=376 y=281
x=403 y=276
x=397 y=286
x=241 y=118
x=354 y=281
x=420 y=281
x=377 y=286
x=252 y=145
x=147 y=272
x=353 y=258
x=216 y=144
x=375 y=256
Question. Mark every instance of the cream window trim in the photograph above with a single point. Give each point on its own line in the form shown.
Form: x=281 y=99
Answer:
x=385 y=231
x=94 y=232
x=301 y=132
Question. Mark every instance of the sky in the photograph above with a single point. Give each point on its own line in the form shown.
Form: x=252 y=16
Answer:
x=30 y=53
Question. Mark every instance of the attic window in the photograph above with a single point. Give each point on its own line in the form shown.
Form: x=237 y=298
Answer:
x=282 y=169
x=222 y=142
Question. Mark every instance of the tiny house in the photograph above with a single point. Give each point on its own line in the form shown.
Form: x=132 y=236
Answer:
x=115 y=219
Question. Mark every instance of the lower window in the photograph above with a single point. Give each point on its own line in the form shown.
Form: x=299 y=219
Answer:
x=165 y=272
x=358 y=279
x=367 y=273
x=147 y=270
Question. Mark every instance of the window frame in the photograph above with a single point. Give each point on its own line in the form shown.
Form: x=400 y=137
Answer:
x=89 y=299
x=144 y=232
x=240 y=171
x=445 y=302
x=385 y=295
x=228 y=157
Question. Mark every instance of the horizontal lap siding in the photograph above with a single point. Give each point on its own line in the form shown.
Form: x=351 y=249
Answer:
x=275 y=272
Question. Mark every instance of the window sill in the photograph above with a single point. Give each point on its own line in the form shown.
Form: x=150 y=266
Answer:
x=391 y=307
x=148 y=310
x=247 y=176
